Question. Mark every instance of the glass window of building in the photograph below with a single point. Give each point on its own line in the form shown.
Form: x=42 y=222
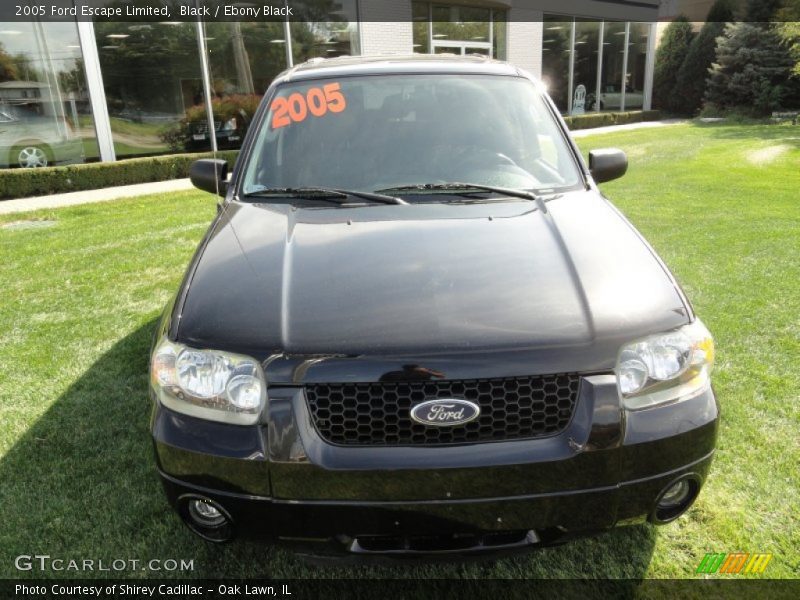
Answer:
x=586 y=68
x=556 y=58
x=243 y=58
x=152 y=77
x=499 y=34
x=420 y=22
x=638 y=43
x=324 y=33
x=591 y=65
x=45 y=114
x=612 y=65
x=460 y=30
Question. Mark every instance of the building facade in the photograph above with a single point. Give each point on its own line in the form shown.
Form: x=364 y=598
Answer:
x=82 y=91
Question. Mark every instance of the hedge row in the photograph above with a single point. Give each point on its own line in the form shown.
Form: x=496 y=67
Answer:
x=20 y=183
x=604 y=119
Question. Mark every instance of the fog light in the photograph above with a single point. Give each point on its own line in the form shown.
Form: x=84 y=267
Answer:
x=675 y=499
x=675 y=495
x=206 y=517
x=206 y=514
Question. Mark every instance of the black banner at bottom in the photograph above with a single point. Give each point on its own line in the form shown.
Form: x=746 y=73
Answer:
x=501 y=589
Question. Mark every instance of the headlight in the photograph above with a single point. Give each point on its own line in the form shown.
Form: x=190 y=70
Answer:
x=665 y=368
x=208 y=384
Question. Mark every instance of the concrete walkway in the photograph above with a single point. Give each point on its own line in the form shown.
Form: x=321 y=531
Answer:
x=89 y=196
x=130 y=191
x=580 y=133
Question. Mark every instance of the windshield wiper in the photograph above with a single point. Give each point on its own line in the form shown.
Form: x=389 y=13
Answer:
x=467 y=188
x=325 y=194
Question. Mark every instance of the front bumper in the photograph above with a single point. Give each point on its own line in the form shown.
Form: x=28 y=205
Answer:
x=282 y=482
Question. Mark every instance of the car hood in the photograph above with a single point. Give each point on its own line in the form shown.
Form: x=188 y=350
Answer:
x=429 y=280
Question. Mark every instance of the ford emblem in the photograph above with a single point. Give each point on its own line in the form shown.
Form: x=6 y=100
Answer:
x=445 y=412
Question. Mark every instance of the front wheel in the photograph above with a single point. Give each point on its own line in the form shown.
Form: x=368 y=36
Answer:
x=30 y=157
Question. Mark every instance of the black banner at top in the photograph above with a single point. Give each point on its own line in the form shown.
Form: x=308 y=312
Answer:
x=336 y=10
x=326 y=10
x=166 y=10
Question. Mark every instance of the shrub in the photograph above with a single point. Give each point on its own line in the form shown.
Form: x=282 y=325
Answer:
x=751 y=73
x=236 y=106
x=20 y=183
x=591 y=120
x=691 y=79
x=670 y=56
x=225 y=108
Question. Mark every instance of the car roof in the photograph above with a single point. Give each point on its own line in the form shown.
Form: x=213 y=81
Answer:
x=318 y=68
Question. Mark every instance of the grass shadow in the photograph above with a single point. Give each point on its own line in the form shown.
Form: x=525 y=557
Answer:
x=81 y=484
x=766 y=131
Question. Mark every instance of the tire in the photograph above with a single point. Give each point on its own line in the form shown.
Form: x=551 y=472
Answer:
x=30 y=156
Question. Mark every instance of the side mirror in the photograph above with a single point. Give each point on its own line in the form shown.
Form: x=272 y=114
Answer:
x=607 y=164
x=210 y=175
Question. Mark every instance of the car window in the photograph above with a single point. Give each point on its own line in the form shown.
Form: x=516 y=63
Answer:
x=375 y=132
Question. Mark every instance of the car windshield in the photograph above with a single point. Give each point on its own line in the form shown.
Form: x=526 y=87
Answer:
x=374 y=133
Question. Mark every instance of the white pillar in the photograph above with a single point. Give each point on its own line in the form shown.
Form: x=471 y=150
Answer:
x=650 y=66
x=599 y=84
x=571 y=67
x=97 y=93
x=287 y=36
x=206 y=74
x=624 y=89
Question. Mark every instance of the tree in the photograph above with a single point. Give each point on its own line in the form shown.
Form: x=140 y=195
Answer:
x=789 y=30
x=691 y=80
x=762 y=11
x=670 y=55
x=8 y=70
x=751 y=73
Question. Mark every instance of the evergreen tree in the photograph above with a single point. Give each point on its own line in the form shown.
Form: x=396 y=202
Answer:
x=751 y=73
x=669 y=57
x=691 y=80
x=789 y=30
x=762 y=11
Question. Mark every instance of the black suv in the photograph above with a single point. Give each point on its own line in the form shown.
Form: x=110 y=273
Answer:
x=417 y=327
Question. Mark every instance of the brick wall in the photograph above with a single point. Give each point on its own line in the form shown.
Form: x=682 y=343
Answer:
x=525 y=39
x=385 y=27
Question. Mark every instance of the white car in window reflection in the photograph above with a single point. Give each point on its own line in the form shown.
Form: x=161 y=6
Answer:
x=29 y=140
x=611 y=98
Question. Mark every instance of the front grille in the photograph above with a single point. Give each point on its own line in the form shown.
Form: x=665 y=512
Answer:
x=378 y=414
x=442 y=543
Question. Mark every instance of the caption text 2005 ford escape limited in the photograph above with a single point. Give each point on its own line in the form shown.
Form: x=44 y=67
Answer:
x=417 y=328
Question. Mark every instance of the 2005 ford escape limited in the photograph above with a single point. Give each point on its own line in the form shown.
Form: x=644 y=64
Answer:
x=416 y=327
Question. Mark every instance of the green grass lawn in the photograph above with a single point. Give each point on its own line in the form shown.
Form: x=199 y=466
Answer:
x=80 y=299
x=130 y=138
x=121 y=150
